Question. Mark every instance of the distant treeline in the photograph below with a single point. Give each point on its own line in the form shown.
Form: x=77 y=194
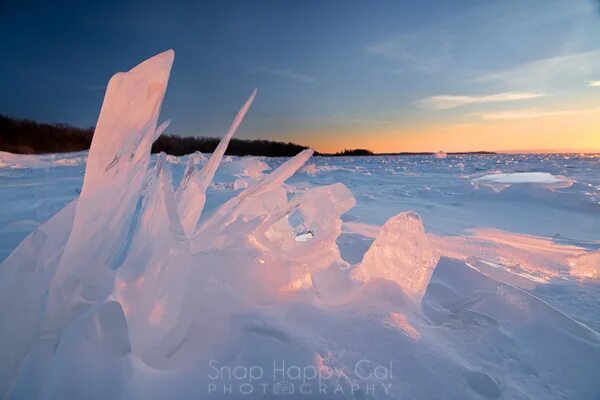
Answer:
x=354 y=152
x=29 y=137
x=23 y=136
x=179 y=146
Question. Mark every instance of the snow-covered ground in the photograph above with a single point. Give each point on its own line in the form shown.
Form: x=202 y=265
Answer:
x=127 y=275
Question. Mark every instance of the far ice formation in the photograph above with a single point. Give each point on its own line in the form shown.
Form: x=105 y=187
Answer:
x=500 y=182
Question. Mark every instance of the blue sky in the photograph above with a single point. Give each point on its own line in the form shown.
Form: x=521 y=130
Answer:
x=328 y=72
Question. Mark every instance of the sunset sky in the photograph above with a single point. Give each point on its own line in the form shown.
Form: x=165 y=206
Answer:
x=389 y=76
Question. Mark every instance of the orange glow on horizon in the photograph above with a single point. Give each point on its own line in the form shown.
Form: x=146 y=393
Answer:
x=580 y=133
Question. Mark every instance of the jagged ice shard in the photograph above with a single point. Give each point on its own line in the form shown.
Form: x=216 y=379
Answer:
x=115 y=172
x=191 y=193
x=127 y=293
x=401 y=254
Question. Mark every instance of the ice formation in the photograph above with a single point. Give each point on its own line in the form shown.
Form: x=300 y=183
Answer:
x=440 y=155
x=191 y=194
x=115 y=172
x=500 y=182
x=401 y=253
x=129 y=292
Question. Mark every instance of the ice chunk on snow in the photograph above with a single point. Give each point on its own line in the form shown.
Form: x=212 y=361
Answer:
x=586 y=266
x=310 y=169
x=402 y=254
x=320 y=209
x=240 y=184
x=500 y=182
x=303 y=237
x=521 y=177
x=116 y=170
x=191 y=193
x=247 y=167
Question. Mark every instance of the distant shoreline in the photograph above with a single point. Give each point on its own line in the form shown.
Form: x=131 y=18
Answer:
x=22 y=136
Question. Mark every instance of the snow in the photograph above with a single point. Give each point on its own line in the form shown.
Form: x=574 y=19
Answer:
x=371 y=277
x=500 y=182
x=521 y=177
x=22 y=161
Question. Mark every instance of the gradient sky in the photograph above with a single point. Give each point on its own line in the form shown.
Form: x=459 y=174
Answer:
x=386 y=75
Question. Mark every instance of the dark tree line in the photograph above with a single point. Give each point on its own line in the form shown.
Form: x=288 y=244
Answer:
x=353 y=152
x=29 y=137
x=23 y=136
x=178 y=146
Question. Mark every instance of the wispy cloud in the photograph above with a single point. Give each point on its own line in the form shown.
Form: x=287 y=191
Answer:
x=444 y=102
x=424 y=51
x=564 y=70
x=594 y=84
x=534 y=113
x=287 y=73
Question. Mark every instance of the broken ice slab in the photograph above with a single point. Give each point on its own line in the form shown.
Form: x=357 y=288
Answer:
x=401 y=253
x=115 y=172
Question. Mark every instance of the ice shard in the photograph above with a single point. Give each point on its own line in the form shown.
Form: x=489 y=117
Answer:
x=162 y=128
x=149 y=290
x=191 y=197
x=191 y=193
x=401 y=253
x=115 y=172
x=320 y=210
x=24 y=279
x=229 y=211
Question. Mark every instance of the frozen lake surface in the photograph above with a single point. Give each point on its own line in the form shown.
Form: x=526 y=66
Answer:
x=127 y=275
x=517 y=219
x=555 y=195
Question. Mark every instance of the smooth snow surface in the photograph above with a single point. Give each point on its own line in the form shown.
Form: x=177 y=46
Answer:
x=208 y=276
x=521 y=177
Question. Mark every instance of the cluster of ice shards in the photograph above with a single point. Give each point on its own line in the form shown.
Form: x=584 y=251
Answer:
x=128 y=293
